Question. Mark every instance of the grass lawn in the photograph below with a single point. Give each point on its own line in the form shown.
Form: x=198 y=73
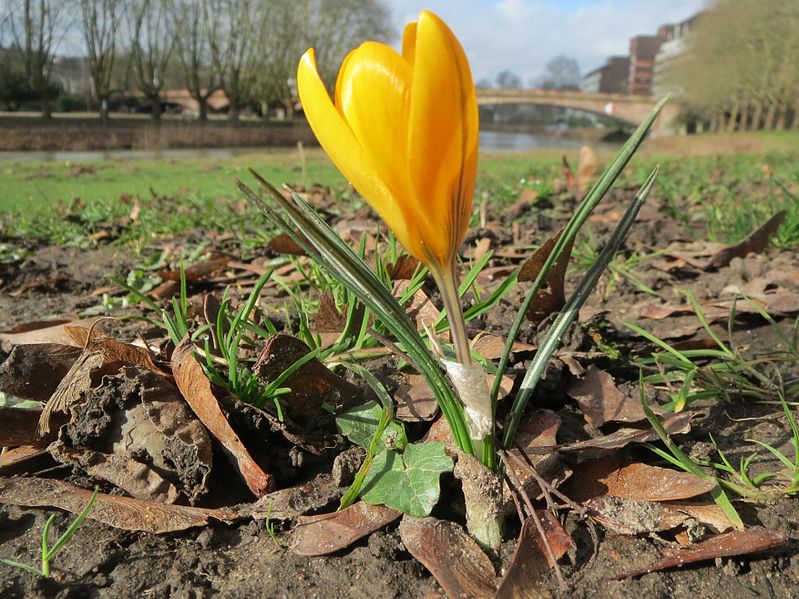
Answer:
x=731 y=180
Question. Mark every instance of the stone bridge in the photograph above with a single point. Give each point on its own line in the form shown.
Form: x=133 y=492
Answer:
x=626 y=108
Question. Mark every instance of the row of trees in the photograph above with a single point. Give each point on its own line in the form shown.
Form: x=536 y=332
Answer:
x=561 y=72
x=246 y=48
x=740 y=66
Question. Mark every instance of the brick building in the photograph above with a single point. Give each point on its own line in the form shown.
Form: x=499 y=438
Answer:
x=611 y=78
x=643 y=49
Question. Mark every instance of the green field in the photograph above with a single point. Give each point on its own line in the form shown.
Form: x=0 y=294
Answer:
x=732 y=182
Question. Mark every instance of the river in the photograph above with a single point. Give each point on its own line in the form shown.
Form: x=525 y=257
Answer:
x=490 y=141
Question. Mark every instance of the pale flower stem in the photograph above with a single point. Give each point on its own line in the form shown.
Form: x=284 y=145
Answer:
x=447 y=281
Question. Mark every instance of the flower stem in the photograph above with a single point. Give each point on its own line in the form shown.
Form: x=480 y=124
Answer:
x=447 y=281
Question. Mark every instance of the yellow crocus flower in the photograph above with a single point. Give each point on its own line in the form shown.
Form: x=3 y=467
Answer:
x=403 y=129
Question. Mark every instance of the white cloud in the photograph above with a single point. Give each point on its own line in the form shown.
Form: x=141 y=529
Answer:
x=523 y=35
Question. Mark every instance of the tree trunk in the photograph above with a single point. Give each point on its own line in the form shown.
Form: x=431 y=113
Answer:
x=44 y=97
x=202 y=103
x=757 y=115
x=770 y=114
x=731 y=124
x=155 y=107
x=795 y=121
x=781 y=117
x=233 y=110
x=103 y=109
x=714 y=122
x=744 y=119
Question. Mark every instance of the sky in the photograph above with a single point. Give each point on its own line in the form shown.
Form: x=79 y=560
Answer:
x=523 y=35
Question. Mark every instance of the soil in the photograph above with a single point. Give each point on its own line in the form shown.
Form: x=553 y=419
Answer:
x=243 y=560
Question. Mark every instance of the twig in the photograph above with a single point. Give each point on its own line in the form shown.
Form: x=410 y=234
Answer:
x=548 y=490
x=517 y=485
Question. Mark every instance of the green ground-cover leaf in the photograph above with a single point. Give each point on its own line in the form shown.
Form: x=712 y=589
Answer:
x=360 y=423
x=408 y=481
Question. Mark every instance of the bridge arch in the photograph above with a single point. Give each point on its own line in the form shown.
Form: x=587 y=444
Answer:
x=623 y=107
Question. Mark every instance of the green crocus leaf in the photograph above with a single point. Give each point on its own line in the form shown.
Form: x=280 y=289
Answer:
x=360 y=423
x=407 y=481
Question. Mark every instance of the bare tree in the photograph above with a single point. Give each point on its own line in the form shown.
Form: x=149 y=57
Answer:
x=195 y=41
x=101 y=21
x=507 y=79
x=153 y=39
x=237 y=24
x=37 y=28
x=562 y=72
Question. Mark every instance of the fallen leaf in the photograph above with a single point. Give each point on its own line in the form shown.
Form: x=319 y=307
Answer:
x=601 y=401
x=552 y=296
x=453 y=557
x=136 y=431
x=120 y=512
x=743 y=542
x=491 y=347
x=523 y=203
x=755 y=243
x=49 y=283
x=21 y=427
x=674 y=424
x=196 y=389
x=100 y=355
x=611 y=476
x=198 y=271
x=287 y=504
x=284 y=244
x=530 y=561
x=404 y=268
x=481 y=248
x=16 y=458
x=323 y=534
x=47 y=331
x=585 y=170
x=311 y=385
x=415 y=400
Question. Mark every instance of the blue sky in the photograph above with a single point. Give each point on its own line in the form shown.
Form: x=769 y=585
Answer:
x=522 y=35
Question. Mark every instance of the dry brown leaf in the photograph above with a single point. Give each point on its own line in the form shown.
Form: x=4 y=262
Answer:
x=326 y=533
x=47 y=331
x=453 y=557
x=20 y=427
x=523 y=203
x=12 y=460
x=491 y=347
x=100 y=355
x=284 y=244
x=404 y=268
x=481 y=248
x=49 y=283
x=585 y=170
x=755 y=243
x=311 y=386
x=674 y=424
x=552 y=296
x=287 y=504
x=530 y=561
x=196 y=389
x=198 y=271
x=120 y=512
x=601 y=401
x=611 y=476
x=415 y=400
x=742 y=542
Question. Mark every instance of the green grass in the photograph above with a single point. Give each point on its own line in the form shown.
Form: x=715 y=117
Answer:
x=716 y=197
x=34 y=184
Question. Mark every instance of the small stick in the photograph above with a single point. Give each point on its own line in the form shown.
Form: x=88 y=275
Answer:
x=548 y=490
x=516 y=484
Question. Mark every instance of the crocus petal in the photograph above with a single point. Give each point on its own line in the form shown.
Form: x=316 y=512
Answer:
x=409 y=43
x=341 y=145
x=373 y=94
x=443 y=132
